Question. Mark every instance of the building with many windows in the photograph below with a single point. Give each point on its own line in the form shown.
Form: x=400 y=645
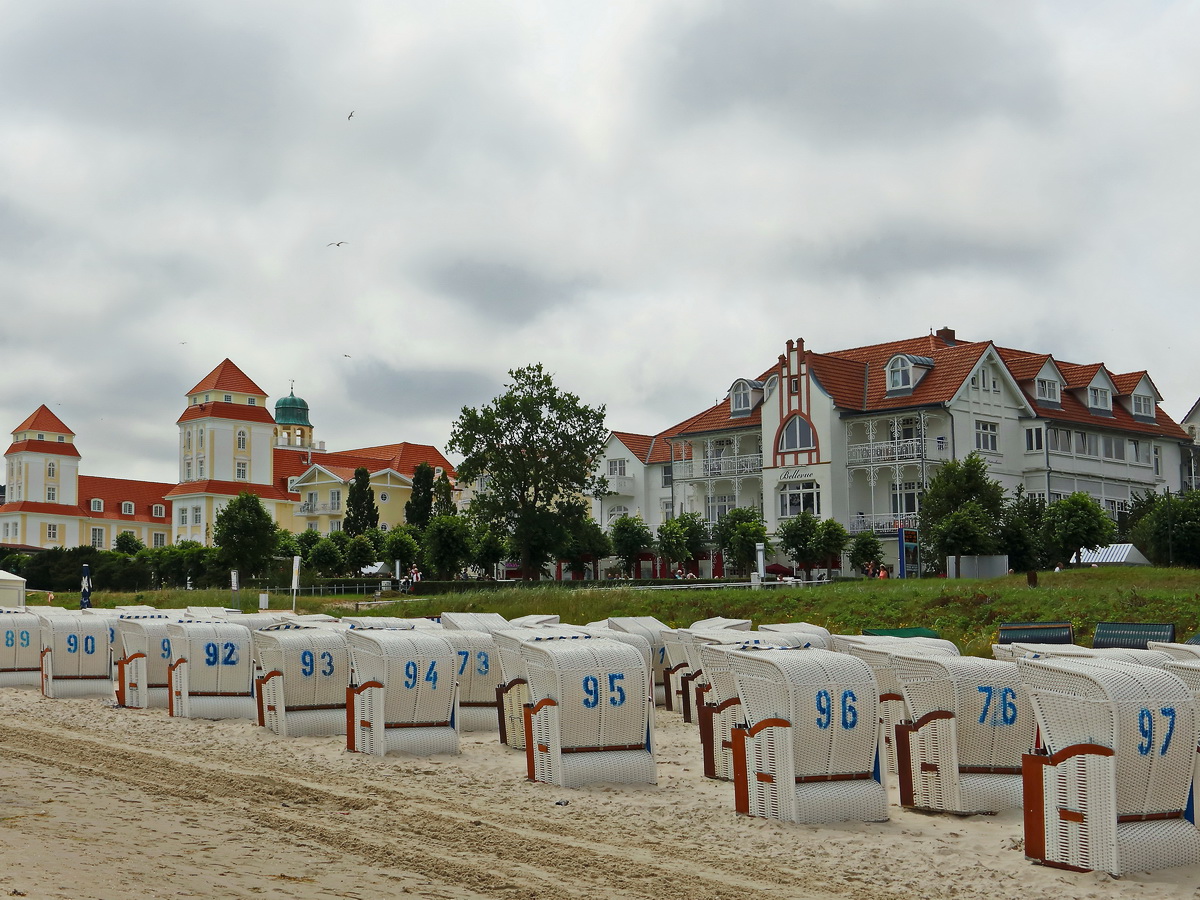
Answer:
x=856 y=435
x=229 y=442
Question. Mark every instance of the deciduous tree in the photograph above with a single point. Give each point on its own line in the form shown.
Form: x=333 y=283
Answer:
x=1076 y=523
x=244 y=534
x=361 y=511
x=630 y=538
x=419 y=508
x=446 y=543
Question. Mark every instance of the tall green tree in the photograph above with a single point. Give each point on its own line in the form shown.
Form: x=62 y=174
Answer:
x=360 y=553
x=419 y=508
x=244 y=534
x=447 y=545
x=127 y=542
x=966 y=531
x=798 y=537
x=488 y=547
x=1169 y=531
x=865 y=548
x=307 y=539
x=361 y=511
x=672 y=542
x=696 y=532
x=586 y=543
x=536 y=445
x=955 y=484
x=738 y=533
x=401 y=547
x=443 y=497
x=327 y=558
x=630 y=538
x=832 y=538
x=1021 y=531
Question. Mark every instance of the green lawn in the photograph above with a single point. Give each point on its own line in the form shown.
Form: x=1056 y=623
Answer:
x=965 y=611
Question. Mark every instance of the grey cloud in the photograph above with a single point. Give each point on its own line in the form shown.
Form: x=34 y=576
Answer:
x=904 y=249
x=841 y=71
x=502 y=290
x=391 y=392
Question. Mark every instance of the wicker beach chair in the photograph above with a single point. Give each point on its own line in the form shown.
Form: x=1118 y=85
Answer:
x=75 y=660
x=406 y=700
x=398 y=622
x=476 y=668
x=682 y=648
x=464 y=621
x=652 y=630
x=810 y=750
x=1180 y=652
x=212 y=670
x=1111 y=790
x=141 y=671
x=306 y=670
x=512 y=691
x=590 y=715
x=970 y=726
x=20 y=648
x=815 y=635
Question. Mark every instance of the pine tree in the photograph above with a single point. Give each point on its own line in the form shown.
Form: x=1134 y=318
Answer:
x=361 y=512
x=419 y=508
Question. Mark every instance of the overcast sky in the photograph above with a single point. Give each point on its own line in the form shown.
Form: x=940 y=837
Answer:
x=648 y=196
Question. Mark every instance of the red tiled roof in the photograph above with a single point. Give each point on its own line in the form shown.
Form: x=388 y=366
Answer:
x=859 y=381
x=1021 y=365
x=113 y=492
x=219 y=409
x=41 y=419
x=228 y=489
x=1127 y=382
x=403 y=458
x=227 y=377
x=63 y=449
x=637 y=444
x=1078 y=376
x=718 y=418
x=845 y=380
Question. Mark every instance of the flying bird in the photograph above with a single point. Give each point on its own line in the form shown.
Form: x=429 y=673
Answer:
x=335 y=243
x=351 y=116
x=347 y=355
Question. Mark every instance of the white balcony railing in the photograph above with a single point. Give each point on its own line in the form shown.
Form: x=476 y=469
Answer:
x=881 y=523
x=620 y=484
x=897 y=451
x=309 y=508
x=717 y=467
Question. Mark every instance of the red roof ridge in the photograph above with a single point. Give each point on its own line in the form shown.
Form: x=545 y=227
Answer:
x=42 y=419
x=227 y=377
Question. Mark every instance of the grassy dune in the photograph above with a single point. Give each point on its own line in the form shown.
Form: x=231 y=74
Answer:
x=965 y=611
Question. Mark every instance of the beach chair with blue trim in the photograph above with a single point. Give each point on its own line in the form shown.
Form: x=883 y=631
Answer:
x=20 y=648
x=212 y=670
x=305 y=672
x=75 y=656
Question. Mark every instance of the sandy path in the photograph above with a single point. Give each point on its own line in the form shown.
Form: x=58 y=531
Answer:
x=97 y=802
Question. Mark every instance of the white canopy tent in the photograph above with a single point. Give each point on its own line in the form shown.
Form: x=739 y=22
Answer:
x=12 y=590
x=1114 y=555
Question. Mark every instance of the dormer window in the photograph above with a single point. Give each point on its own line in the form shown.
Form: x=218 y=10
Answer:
x=1047 y=389
x=1143 y=406
x=1099 y=398
x=739 y=398
x=97 y=505
x=250 y=401
x=229 y=398
x=41 y=437
x=127 y=508
x=899 y=374
x=158 y=511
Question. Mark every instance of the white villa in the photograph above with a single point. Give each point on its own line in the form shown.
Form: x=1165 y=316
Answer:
x=856 y=434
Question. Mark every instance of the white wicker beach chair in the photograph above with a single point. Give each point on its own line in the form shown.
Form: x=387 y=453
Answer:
x=533 y=620
x=306 y=671
x=391 y=622
x=591 y=713
x=141 y=671
x=652 y=630
x=1180 y=652
x=971 y=725
x=1148 y=657
x=876 y=651
x=406 y=700
x=20 y=648
x=810 y=749
x=687 y=682
x=212 y=670
x=75 y=660
x=512 y=691
x=815 y=635
x=720 y=623
x=477 y=669
x=464 y=621
x=1111 y=790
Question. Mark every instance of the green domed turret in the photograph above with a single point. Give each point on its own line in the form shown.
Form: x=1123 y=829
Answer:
x=291 y=410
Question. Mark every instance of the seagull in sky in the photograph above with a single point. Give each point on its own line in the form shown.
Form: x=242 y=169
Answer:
x=351 y=116
x=347 y=355
x=335 y=243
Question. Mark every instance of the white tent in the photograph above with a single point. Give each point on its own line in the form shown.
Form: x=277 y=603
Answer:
x=12 y=590
x=1114 y=555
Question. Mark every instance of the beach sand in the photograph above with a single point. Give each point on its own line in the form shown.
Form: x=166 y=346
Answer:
x=98 y=802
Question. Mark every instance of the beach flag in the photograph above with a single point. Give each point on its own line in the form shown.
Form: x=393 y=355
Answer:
x=85 y=587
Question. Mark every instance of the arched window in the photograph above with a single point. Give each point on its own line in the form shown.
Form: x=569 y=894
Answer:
x=739 y=397
x=49 y=470
x=241 y=440
x=797 y=435
x=187 y=440
x=616 y=512
x=899 y=374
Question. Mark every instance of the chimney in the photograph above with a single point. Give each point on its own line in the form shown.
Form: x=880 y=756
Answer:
x=800 y=346
x=946 y=334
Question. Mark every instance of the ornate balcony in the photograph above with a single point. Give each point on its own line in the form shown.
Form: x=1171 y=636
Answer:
x=309 y=508
x=717 y=467
x=906 y=450
x=620 y=484
x=882 y=523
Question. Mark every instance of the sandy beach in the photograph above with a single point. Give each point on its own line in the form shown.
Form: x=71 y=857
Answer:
x=98 y=802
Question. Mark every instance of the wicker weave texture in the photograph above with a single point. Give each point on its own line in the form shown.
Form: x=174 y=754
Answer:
x=465 y=621
x=20 y=648
x=78 y=664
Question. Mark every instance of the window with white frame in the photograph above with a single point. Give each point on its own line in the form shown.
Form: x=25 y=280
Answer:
x=899 y=374
x=797 y=497
x=667 y=509
x=195 y=515
x=200 y=469
x=335 y=500
x=250 y=401
x=1033 y=439
x=1047 y=389
x=987 y=436
x=241 y=440
x=183 y=515
x=187 y=440
x=312 y=526
x=739 y=398
x=50 y=470
x=1087 y=444
x=668 y=475
x=41 y=437
x=335 y=525
x=240 y=473
x=797 y=435
x=616 y=512
x=98 y=538
x=51 y=494
x=159 y=539
x=292 y=479
x=97 y=505
x=187 y=471
x=1058 y=440
x=158 y=511
x=718 y=505
x=51 y=531
x=127 y=508
x=1157 y=461
x=229 y=398
x=200 y=438
x=1143 y=406
x=616 y=468
x=383 y=496
x=794 y=385
x=905 y=498
x=1099 y=398
x=1114 y=447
